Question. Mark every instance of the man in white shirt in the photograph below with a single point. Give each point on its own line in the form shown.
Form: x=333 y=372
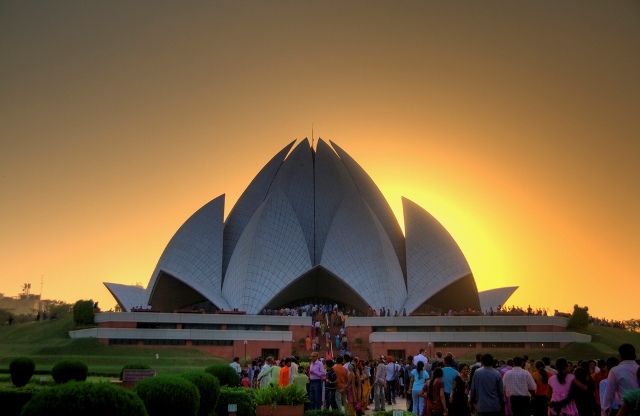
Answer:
x=236 y=365
x=518 y=386
x=420 y=357
x=621 y=379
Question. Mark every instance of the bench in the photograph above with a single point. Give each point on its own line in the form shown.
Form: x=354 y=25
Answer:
x=130 y=377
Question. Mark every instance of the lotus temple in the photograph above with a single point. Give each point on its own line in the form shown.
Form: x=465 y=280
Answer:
x=313 y=228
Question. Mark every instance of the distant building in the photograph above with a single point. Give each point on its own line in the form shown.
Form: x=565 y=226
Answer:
x=23 y=304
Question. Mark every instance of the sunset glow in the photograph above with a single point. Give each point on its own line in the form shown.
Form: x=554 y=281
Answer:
x=515 y=124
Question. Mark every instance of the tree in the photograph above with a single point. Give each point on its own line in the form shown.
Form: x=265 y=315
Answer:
x=579 y=318
x=83 y=312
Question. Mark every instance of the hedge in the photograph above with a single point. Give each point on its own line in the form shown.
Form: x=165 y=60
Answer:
x=21 y=370
x=209 y=389
x=236 y=395
x=226 y=375
x=68 y=370
x=168 y=395
x=81 y=399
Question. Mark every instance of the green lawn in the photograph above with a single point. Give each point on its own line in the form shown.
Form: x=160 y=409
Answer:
x=604 y=343
x=47 y=343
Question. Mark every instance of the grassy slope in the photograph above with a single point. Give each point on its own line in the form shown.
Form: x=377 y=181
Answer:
x=48 y=343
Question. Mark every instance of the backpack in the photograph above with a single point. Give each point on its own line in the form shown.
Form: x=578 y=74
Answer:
x=332 y=378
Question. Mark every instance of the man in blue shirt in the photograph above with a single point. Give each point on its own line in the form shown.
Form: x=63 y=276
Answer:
x=448 y=375
x=486 y=391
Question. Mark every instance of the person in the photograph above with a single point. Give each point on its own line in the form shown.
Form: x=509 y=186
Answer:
x=380 y=385
x=621 y=379
x=448 y=375
x=264 y=377
x=583 y=392
x=392 y=379
x=245 y=382
x=458 y=402
x=235 y=364
x=487 y=391
x=560 y=403
x=435 y=403
x=417 y=378
x=631 y=400
x=518 y=384
x=252 y=372
x=331 y=382
x=408 y=368
x=316 y=377
x=342 y=378
x=284 y=376
x=366 y=384
x=597 y=377
x=353 y=390
x=301 y=379
x=293 y=370
x=611 y=362
x=547 y=366
x=540 y=405
x=420 y=357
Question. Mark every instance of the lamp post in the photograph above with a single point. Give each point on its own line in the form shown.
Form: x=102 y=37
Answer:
x=429 y=344
x=245 y=349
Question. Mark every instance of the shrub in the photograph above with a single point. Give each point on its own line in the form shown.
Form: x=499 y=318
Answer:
x=83 y=312
x=274 y=395
x=13 y=399
x=80 y=399
x=209 y=389
x=236 y=395
x=21 y=370
x=134 y=366
x=226 y=375
x=68 y=370
x=168 y=395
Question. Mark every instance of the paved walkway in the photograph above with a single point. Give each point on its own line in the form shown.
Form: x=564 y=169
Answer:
x=401 y=404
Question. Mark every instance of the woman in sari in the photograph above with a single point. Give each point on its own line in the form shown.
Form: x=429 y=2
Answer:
x=435 y=403
x=366 y=384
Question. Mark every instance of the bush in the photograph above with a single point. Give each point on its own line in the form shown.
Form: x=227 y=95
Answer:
x=68 y=370
x=83 y=312
x=21 y=370
x=134 y=366
x=168 y=395
x=13 y=399
x=274 y=395
x=209 y=389
x=226 y=375
x=81 y=399
x=236 y=395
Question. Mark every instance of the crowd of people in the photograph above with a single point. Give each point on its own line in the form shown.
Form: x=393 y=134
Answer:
x=520 y=386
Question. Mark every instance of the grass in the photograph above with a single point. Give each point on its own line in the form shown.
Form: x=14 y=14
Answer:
x=47 y=342
x=604 y=343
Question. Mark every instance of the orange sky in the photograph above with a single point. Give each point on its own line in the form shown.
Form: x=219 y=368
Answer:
x=516 y=124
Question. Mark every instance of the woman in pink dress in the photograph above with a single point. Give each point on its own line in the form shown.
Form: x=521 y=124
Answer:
x=561 y=403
